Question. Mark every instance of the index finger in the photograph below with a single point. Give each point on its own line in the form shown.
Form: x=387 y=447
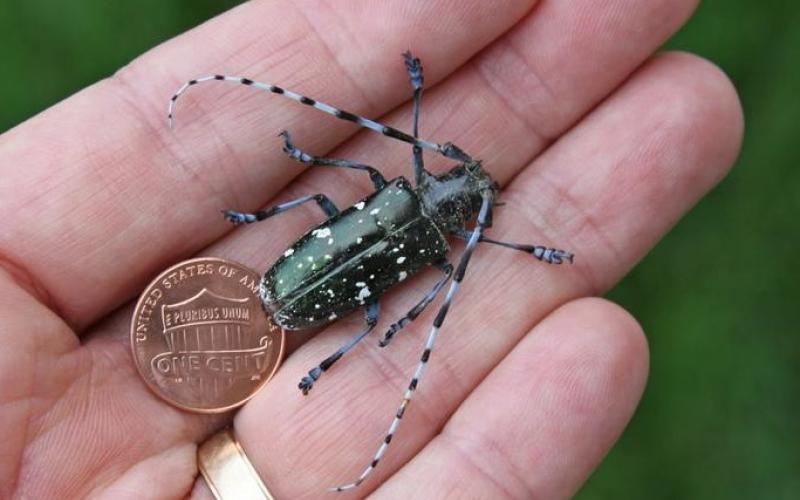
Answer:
x=104 y=184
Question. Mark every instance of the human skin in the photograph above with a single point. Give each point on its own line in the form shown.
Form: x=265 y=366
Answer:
x=600 y=146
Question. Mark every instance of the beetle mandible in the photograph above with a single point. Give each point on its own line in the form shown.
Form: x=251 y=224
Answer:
x=352 y=258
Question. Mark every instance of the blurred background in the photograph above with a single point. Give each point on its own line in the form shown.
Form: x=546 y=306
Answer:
x=718 y=297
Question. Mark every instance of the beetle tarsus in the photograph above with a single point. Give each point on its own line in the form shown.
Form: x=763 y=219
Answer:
x=551 y=255
x=414 y=69
x=307 y=382
x=305 y=385
x=238 y=217
x=292 y=151
x=389 y=335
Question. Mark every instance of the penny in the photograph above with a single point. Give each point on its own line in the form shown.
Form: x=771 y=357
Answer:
x=200 y=338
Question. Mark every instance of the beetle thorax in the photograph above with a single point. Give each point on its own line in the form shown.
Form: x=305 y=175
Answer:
x=453 y=198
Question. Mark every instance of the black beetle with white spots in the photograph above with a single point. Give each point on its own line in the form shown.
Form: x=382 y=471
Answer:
x=351 y=259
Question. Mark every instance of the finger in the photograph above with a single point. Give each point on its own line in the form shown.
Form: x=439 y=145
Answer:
x=84 y=410
x=105 y=182
x=167 y=474
x=612 y=189
x=544 y=417
x=33 y=338
x=504 y=295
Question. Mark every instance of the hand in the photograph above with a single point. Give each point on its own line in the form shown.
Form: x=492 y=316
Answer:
x=600 y=146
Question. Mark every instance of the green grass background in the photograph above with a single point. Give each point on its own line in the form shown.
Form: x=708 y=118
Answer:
x=718 y=297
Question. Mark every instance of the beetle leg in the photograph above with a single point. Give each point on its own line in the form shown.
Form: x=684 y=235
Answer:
x=484 y=216
x=414 y=68
x=371 y=317
x=323 y=201
x=545 y=254
x=447 y=269
x=297 y=154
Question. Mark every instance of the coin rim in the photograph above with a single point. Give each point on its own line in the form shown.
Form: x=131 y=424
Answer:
x=154 y=388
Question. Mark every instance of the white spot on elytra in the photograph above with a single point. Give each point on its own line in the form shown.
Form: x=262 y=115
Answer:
x=400 y=260
x=403 y=275
x=374 y=211
x=330 y=241
x=330 y=292
x=332 y=316
x=363 y=294
x=372 y=276
x=359 y=205
x=288 y=252
x=300 y=266
x=359 y=239
x=316 y=306
x=328 y=257
x=361 y=284
x=322 y=233
x=310 y=258
x=360 y=221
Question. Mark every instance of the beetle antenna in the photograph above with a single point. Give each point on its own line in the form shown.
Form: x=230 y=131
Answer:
x=448 y=149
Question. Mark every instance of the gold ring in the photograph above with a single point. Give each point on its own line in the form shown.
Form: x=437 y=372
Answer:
x=227 y=471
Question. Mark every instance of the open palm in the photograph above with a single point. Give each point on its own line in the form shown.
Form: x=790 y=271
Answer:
x=600 y=148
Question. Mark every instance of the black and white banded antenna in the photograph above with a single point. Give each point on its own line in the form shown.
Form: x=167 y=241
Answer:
x=447 y=149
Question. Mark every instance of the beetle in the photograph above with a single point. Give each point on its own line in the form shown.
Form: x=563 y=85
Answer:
x=352 y=258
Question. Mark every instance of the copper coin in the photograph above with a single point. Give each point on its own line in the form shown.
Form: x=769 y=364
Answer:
x=200 y=337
